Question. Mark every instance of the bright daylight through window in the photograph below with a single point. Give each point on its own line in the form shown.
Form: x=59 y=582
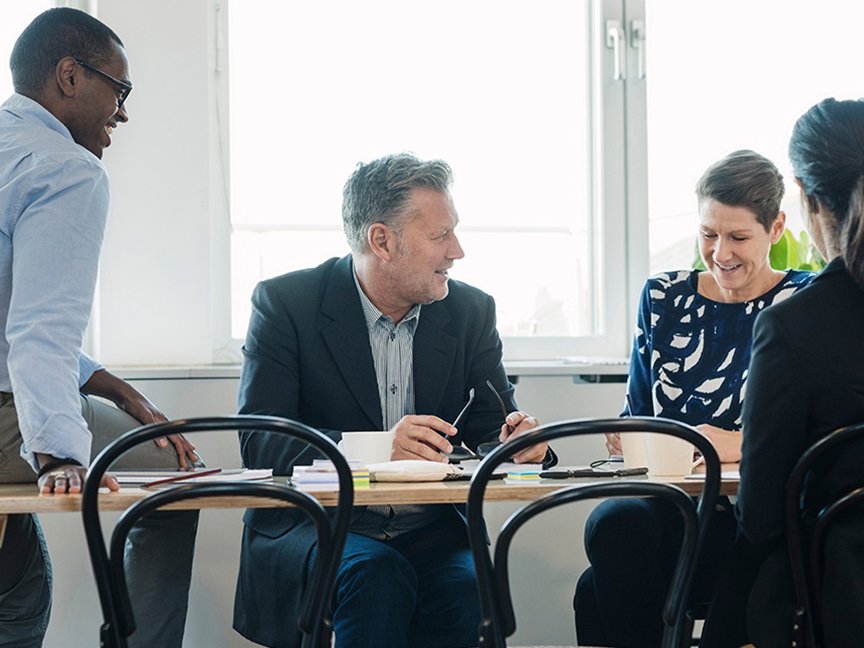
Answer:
x=730 y=75
x=500 y=90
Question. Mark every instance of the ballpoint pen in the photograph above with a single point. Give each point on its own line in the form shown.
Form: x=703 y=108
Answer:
x=460 y=452
x=464 y=409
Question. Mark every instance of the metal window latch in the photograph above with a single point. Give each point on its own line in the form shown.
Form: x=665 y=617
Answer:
x=614 y=36
x=637 y=42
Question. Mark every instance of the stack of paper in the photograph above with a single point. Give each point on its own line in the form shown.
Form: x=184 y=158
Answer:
x=524 y=472
x=165 y=478
x=322 y=471
x=505 y=468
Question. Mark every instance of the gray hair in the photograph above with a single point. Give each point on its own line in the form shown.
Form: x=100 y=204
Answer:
x=378 y=192
x=744 y=179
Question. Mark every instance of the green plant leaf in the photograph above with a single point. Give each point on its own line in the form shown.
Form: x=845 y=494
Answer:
x=697 y=259
x=779 y=254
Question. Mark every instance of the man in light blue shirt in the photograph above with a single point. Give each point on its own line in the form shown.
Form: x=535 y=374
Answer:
x=71 y=80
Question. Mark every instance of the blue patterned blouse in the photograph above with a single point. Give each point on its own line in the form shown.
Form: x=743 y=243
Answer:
x=690 y=354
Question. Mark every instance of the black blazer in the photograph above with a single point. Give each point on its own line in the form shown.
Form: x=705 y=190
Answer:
x=806 y=379
x=308 y=358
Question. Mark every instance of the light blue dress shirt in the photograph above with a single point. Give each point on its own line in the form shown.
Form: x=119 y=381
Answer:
x=54 y=197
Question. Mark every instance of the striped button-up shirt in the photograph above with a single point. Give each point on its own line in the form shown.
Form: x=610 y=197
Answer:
x=392 y=346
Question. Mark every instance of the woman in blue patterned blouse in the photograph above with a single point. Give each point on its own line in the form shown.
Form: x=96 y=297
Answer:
x=689 y=363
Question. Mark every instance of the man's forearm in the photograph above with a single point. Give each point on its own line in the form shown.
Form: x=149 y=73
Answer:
x=106 y=385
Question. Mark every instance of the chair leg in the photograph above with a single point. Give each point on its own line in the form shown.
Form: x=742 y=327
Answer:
x=696 y=612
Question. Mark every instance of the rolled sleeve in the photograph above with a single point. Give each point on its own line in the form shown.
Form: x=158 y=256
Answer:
x=87 y=366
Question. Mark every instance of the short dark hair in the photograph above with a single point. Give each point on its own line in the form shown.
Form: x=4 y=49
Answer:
x=827 y=154
x=744 y=179
x=52 y=35
x=378 y=192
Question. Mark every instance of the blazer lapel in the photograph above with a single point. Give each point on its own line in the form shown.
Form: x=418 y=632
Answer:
x=434 y=353
x=347 y=338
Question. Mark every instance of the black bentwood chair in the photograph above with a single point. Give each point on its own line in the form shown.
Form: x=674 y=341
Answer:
x=498 y=620
x=314 y=621
x=806 y=529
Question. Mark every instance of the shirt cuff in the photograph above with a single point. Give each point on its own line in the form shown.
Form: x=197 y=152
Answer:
x=58 y=437
x=87 y=366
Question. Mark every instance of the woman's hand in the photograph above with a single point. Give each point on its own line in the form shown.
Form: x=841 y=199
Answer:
x=727 y=443
x=613 y=443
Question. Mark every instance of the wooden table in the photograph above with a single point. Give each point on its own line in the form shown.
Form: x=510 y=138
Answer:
x=25 y=498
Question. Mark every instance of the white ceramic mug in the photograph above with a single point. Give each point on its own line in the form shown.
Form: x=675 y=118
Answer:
x=367 y=447
x=663 y=454
x=634 y=449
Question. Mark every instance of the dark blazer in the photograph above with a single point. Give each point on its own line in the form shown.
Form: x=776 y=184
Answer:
x=307 y=358
x=806 y=379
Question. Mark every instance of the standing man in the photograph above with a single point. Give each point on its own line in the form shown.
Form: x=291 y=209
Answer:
x=381 y=339
x=70 y=75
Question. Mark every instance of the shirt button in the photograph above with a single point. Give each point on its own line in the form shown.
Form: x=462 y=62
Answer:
x=392 y=336
x=393 y=388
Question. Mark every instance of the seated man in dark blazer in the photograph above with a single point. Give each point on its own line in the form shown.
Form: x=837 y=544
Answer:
x=377 y=340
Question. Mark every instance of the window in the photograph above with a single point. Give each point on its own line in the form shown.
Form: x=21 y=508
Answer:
x=730 y=75
x=519 y=99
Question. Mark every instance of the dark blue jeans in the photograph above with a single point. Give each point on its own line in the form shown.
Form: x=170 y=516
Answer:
x=632 y=545
x=416 y=590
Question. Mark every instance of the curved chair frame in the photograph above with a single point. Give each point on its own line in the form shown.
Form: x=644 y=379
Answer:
x=498 y=619
x=807 y=625
x=108 y=569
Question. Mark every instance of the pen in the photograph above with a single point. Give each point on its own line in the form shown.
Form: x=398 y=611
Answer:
x=188 y=475
x=464 y=409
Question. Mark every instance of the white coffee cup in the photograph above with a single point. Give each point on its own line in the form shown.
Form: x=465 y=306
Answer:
x=664 y=455
x=634 y=449
x=367 y=447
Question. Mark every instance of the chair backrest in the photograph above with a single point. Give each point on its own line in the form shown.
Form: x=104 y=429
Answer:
x=498 y=618
x=806 y=565
x=332 y=531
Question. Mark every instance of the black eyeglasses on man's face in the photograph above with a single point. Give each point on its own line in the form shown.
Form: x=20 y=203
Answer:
x=123 y=87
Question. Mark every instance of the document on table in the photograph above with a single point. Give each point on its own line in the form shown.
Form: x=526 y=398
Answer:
x=470 y=465
x=208 y=475
x=730 y=474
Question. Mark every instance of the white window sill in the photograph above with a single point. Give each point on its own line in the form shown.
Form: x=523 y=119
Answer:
x=574 y=366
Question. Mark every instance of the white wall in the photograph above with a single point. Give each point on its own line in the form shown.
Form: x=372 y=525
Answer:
x=165 y=261
x=547 y=559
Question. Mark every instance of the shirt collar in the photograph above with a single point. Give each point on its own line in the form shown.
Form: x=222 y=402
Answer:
x=27 y=108
x=371 y=312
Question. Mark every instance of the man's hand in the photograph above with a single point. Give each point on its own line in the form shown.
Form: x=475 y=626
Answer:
x=727 y=443
x=417 y=437
x=105 y=384
x=518 y=423
x=139 y=407
x=68 y=479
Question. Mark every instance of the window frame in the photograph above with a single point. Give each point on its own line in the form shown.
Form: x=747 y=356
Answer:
x=618 y=203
